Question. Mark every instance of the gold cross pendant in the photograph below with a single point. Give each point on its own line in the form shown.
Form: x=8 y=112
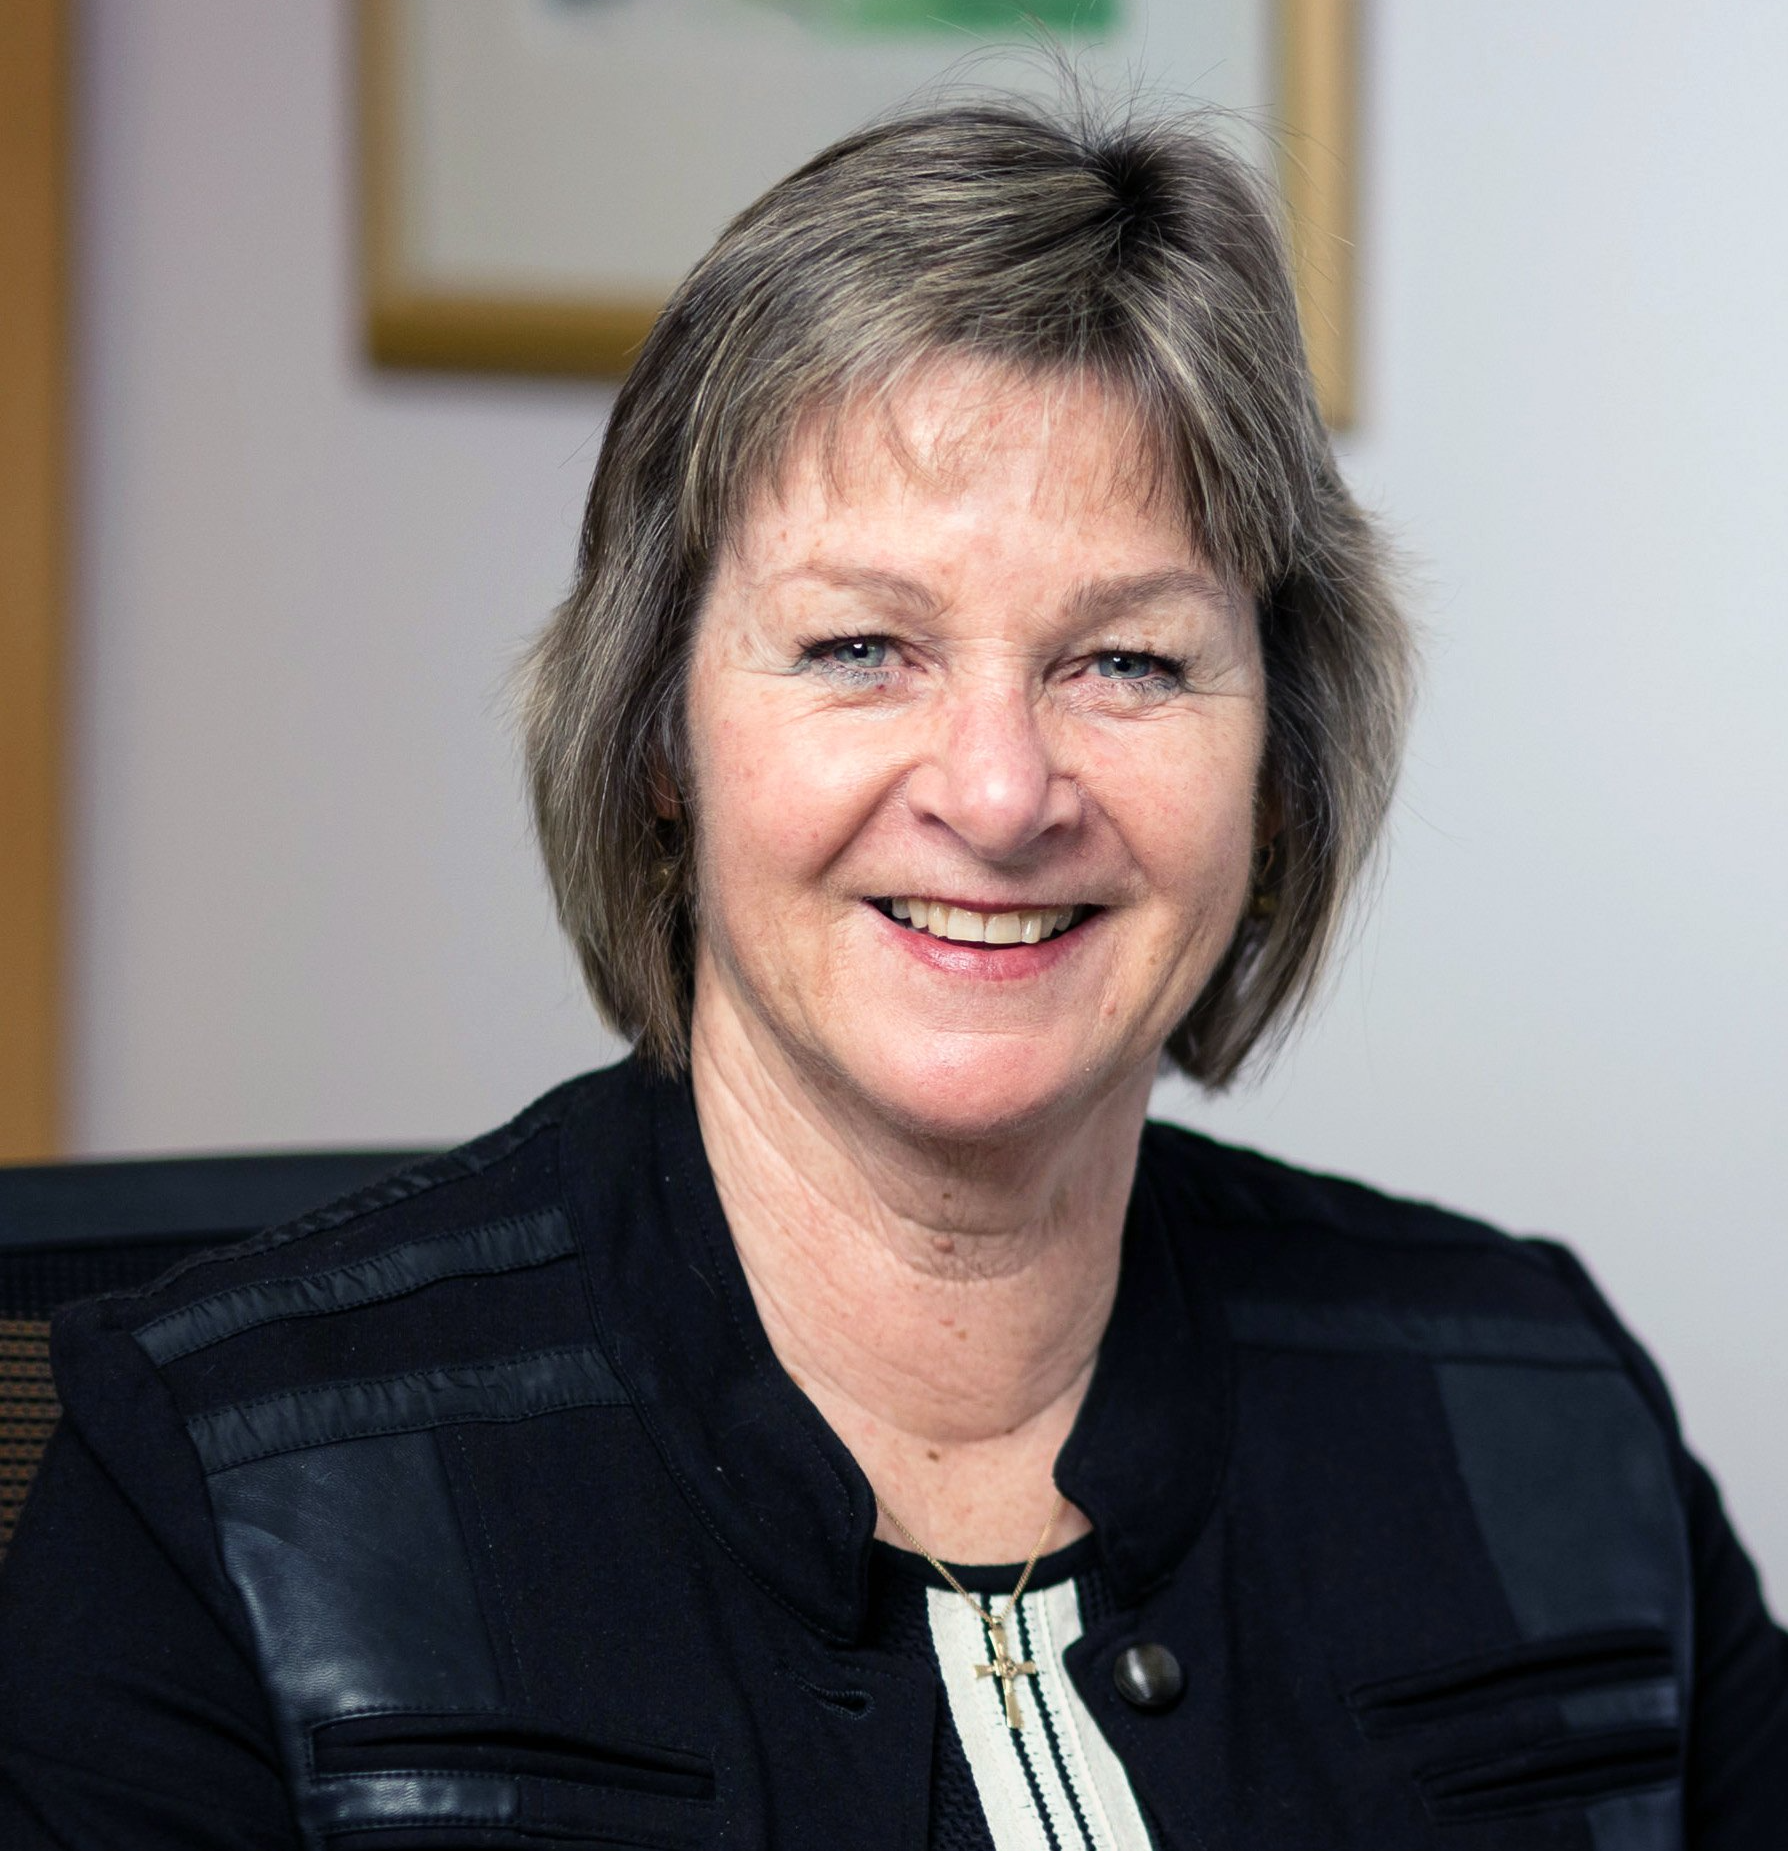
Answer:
x=1008 y=1670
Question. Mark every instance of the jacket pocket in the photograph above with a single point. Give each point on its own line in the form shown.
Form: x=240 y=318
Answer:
x=470 y=1743
x=1566 y=1771
x=1542 y=1668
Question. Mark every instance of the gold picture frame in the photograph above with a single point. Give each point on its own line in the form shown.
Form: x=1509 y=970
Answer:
x=411 y=321
x=36 y=61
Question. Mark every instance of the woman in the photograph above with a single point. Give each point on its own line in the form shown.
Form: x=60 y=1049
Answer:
x=846 y=1423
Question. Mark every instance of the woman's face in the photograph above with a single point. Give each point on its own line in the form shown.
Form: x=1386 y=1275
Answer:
x=970 y=673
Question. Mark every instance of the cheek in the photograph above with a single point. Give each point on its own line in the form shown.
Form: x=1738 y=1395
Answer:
x=746 y=836
x=1185 y=808
x=779 y=796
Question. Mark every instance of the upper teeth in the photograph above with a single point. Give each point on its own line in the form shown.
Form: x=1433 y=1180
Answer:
x=1027 y=927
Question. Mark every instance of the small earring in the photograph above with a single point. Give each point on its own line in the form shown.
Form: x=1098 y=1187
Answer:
x=667 y=869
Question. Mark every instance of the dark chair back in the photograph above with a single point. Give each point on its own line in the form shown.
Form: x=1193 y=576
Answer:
x=69 y=1230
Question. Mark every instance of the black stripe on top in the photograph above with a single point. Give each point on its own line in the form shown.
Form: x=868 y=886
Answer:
x=1052 y=1736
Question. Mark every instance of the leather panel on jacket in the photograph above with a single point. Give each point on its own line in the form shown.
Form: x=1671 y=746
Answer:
x=507 y=1389
x=350 y=1564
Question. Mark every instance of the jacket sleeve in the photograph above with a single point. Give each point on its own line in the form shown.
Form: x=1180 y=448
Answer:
x=130 y=1717
x=1736 y=1779
x=1737 y=1784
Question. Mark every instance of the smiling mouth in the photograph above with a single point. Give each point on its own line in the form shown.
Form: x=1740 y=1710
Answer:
x=1023 y=926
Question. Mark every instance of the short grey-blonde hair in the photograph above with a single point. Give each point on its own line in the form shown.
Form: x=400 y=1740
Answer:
x=1142 y=254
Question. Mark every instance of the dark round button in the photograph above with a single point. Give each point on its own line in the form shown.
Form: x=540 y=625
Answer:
x=1148 y=1676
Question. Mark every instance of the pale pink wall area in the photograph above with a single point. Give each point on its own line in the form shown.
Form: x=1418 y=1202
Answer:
x=309 y=907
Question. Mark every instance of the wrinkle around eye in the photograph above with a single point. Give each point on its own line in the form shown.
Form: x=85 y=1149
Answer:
x=1088 y=685
x=824 y=657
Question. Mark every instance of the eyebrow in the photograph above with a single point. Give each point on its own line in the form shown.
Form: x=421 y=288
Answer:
x=1103 y=599
x=1096 y=601
x=896 y=587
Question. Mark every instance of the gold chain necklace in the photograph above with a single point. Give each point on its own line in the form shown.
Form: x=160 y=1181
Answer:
x=1004 y=1667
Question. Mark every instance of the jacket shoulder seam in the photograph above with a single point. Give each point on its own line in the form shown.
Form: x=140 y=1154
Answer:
x=408 y=1184
x=508 y=1243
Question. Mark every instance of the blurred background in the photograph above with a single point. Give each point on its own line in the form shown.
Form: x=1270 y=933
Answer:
x=298 y=902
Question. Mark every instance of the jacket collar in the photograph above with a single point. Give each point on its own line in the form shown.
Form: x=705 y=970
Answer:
x=770 y=1480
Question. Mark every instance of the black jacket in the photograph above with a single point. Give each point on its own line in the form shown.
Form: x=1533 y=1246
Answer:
x=476 y=1511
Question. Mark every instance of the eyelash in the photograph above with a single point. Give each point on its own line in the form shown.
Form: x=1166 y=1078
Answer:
x=1168 y=673
x=818 y=654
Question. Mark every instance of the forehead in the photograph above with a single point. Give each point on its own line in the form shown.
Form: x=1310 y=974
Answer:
x=1063 y=447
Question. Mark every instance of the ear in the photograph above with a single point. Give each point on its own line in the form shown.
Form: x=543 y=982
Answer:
x=667 y=800
x=1269 y=812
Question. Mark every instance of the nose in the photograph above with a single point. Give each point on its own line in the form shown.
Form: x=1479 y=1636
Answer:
x=987 y=773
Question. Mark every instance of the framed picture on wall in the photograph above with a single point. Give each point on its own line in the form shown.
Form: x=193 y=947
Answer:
x=537 y=174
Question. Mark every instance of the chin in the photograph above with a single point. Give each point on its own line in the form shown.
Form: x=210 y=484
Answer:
x=973 y=1090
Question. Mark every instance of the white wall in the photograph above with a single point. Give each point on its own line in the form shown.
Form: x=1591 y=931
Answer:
x=307 y=905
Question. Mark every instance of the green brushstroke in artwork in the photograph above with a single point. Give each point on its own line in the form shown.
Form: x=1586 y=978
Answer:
x=1083 y=18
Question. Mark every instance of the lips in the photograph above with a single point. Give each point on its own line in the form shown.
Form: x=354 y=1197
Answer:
x=963 y=925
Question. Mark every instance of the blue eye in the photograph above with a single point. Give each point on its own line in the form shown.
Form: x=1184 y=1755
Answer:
x=858 y=652
x=1121 y=665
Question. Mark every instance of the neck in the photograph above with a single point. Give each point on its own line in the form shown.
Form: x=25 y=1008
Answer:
x=941 y=1305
